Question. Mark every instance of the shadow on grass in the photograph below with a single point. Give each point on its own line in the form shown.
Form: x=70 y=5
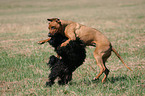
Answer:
x=124 y=78
x=119 y=78
x=98 y=81
x=113 y=79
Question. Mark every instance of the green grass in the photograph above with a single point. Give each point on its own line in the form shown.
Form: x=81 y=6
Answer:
x=23 y=69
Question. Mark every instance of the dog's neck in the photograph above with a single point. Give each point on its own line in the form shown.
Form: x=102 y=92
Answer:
x=62 y=29
x=64 y=23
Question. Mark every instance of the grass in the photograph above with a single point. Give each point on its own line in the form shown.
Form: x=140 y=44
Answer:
x=23 y=69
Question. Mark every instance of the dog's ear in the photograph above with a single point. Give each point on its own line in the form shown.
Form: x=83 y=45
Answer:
x=54 y=19
x=49 y=20
x=58 y=21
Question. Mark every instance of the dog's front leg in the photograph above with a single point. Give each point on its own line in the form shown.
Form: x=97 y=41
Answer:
x=51 y=78
x=50 y=83
x=44 y=41
x=65 y=43
x=70 y=34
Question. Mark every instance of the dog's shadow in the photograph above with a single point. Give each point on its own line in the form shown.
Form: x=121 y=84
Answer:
x=118 y=78
x=110 y=79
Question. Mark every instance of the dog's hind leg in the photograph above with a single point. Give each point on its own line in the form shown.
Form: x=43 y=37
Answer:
x=51 y=78
x=50 y=82
x=68 y=78
x=98 y=55
x=106 y=55
x=101 y=57
x=62 y=80
x=65 y=79
x=106 y=70
x=99 y=62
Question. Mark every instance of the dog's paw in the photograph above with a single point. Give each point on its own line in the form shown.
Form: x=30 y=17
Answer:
x=40 y=42
x=95 y=79
x=49 y=84
x=60 y=82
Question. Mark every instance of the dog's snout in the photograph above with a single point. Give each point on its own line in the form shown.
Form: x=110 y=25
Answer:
x=49 y=35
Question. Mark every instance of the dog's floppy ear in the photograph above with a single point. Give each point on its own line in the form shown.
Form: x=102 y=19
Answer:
x=54 y=19
x=49 y=20
x=58 y=21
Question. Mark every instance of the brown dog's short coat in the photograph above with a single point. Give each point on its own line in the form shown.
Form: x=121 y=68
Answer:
x=89 y=36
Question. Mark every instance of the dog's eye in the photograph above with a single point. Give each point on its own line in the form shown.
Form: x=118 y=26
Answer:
x=53 y=27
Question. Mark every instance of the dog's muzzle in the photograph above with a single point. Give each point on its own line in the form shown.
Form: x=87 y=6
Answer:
x=49 y=35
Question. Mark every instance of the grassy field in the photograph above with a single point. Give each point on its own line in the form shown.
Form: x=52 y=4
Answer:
x=23 y=69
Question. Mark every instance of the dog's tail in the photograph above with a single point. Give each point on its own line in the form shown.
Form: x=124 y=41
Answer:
x=117 y=54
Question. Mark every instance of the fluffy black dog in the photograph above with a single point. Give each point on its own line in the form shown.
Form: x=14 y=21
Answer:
x=72 y=56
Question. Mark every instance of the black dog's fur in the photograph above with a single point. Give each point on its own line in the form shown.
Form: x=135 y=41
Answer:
x=73 y=55
x=56 y=40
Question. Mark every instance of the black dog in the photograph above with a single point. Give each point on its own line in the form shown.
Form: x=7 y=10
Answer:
x=73 y=55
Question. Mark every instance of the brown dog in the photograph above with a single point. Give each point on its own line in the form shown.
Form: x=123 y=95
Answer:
x=90 y=36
